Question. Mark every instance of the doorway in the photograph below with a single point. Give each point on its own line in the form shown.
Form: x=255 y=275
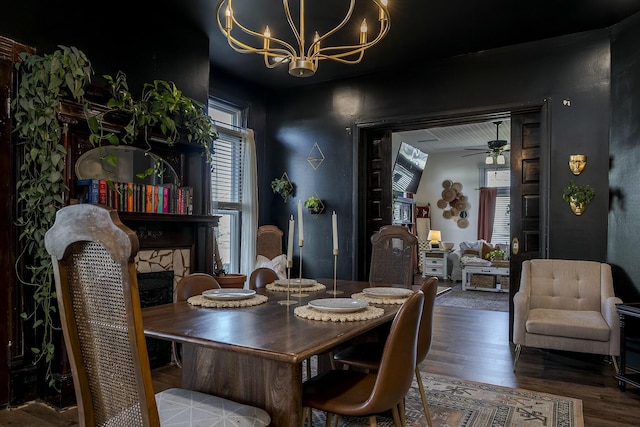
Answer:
x=528 y=151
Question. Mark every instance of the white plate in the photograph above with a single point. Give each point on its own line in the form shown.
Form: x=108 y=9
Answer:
x=338 y=305
x=304 y=283
x=386 y=292
x=229 y=294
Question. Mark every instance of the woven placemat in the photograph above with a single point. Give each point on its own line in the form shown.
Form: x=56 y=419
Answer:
x=283 y=288
x=368 y=313
x=374 y=300
x=203 y=301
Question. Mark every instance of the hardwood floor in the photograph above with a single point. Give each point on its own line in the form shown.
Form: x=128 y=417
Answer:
x=468 y=344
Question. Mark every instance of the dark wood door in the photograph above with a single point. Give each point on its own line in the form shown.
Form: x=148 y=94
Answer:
x=379 y=200
x=526 y=236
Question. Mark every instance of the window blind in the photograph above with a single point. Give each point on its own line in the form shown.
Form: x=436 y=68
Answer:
x=226 y=175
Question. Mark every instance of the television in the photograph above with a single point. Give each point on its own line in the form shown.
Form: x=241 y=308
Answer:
x=407 y=169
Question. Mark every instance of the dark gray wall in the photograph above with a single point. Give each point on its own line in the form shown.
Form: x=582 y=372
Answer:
x=157 y=46
x=573 y=67
x=624 y=158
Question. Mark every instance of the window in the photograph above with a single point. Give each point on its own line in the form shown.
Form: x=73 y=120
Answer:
x=500 y=178
x=226 y=181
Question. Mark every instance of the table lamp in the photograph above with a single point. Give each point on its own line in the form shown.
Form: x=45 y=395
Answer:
x=434 y=238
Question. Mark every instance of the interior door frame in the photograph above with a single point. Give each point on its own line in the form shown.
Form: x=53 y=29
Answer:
x=364 y=129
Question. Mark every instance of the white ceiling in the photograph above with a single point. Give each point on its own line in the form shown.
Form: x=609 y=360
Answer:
x=456 y=138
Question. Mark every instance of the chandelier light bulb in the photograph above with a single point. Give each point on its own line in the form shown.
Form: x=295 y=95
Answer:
x=488 y=160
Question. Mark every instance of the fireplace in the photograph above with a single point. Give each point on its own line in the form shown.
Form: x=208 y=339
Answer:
x=156 y=288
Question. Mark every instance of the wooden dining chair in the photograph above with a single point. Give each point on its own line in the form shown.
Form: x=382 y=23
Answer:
x=392 y=252
x=357 y=393
x=367 y=355
x=269 y=241
x=190 y=285
x=97 y=290
x=261 y=277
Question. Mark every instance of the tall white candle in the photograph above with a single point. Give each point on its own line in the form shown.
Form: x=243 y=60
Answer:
x=290 y=243
x=334 y=220
x=300 y=227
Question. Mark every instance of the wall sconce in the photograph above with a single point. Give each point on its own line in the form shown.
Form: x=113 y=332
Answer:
x=577 y=163
x=434 y=238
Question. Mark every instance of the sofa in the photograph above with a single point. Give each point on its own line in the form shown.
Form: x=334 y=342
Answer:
x=468 y=253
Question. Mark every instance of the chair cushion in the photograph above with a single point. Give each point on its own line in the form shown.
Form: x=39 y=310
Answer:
x=577 y=324
x=179 y=407
x=277 y=264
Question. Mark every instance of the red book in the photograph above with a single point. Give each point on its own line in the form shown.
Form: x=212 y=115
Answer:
x=130 y=197
x=102 y=191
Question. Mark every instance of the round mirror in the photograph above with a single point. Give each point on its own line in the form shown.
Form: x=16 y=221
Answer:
x=131 y=165
x=463 y=214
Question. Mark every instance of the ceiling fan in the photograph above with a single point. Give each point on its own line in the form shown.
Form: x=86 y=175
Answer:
x=496 y=146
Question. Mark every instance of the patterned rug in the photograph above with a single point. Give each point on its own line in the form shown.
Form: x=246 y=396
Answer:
x=460 y=403
x=477 y=300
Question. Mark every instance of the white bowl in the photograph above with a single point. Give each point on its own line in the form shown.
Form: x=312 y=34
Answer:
x=447 y=246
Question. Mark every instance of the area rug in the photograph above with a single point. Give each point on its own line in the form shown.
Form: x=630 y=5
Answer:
x=459 y=403
x=477 y=300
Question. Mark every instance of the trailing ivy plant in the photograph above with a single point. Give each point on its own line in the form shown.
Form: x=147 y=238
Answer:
x=43 y=81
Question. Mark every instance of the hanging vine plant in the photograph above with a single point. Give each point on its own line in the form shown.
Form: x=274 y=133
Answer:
x=43 y=82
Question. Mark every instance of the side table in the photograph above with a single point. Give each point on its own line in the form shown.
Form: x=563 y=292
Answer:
x=435 y=263
x=629 y=345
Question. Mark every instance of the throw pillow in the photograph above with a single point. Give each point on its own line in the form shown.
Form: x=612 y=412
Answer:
x=277 y=264
x=422 y=211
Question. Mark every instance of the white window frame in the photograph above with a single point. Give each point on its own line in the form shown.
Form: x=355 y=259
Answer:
x=229 y=240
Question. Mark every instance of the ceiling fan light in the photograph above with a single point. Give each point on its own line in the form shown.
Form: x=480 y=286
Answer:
x=501 y=159
x=488 y=160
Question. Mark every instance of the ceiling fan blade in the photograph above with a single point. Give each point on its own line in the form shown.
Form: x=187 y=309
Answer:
x=474 y=154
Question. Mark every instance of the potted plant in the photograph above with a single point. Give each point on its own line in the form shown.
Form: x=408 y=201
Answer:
x=496 y=254
x=578 y=196
x=283 y=187
x=314 y=205
x=44 y=81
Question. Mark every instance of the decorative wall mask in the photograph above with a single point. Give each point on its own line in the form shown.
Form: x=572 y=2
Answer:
x=454 y=203
x=577 y=163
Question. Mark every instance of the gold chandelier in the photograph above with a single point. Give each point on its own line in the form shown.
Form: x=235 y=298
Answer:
x=303 y=61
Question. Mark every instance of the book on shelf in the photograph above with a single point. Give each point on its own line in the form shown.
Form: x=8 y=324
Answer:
x=87 y=191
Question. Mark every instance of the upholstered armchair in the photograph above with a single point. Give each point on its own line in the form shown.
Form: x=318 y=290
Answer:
x=566 y=305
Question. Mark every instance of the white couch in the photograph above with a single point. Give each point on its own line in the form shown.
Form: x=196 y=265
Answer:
x=476 y=249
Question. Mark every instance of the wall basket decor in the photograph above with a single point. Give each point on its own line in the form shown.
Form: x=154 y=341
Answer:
x=454 y=203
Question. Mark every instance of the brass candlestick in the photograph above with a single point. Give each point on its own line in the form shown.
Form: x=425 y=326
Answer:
x=335 y=291
x=288 y=301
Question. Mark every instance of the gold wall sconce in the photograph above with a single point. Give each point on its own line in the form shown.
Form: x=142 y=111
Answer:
x=577 y=163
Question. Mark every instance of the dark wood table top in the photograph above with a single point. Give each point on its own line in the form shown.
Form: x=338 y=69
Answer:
x=270 y=330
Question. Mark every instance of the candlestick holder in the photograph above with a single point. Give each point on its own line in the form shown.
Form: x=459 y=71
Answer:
x=288 y=301
x=335 y=291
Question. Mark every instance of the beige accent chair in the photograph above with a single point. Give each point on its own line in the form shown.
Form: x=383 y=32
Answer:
x=566 y=305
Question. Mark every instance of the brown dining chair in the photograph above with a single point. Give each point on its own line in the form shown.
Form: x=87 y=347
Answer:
x=190 y=285
x=367 y=355
x=357 y=393
x=392 y=252
x=261 y=277
x=97 y=290
x=269 y=241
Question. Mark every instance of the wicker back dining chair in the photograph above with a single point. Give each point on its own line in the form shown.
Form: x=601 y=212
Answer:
x=190 y=285
x=392 y=255
x=269 y=241
x=357 y=393
x=367 y=355
x=97 y=290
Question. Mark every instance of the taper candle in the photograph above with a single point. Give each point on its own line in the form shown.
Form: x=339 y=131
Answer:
x=300 y=227
x=290 y=242
x=334 y=220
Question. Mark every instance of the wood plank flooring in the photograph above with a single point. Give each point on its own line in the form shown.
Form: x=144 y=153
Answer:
x=468 y=344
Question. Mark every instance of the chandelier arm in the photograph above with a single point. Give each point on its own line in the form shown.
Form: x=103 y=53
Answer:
x=347 y=50
x=299 y=37
x=334 y=30
x=341 y=59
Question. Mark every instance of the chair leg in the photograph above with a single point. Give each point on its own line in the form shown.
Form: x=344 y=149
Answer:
x=327 y=419
x=372 y=421
x=423 y=396
x=308 y=363
x=396 y=416
x=615 y=364
x=516 y=356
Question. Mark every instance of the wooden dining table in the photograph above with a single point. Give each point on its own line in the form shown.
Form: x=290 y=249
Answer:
x=254 y=354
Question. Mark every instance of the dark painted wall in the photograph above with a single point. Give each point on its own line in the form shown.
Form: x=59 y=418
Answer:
x=575 y=67
x=157 y=46
x=624 y=157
